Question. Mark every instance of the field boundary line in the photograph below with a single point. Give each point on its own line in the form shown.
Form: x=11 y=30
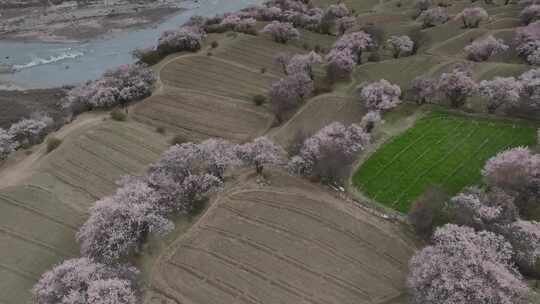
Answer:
x=386 y=233
x=19 y=204
x=21 y=273
x=325 y=276
x=333 y=226
x=39 y=243
x=325 y=248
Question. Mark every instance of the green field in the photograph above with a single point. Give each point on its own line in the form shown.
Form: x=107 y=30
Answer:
x=441 y=149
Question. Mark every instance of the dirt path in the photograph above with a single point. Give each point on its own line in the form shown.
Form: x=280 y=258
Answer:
x=21 y=166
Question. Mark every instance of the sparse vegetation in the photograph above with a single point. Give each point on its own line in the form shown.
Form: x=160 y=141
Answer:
x=118 y=115
x=53 y=143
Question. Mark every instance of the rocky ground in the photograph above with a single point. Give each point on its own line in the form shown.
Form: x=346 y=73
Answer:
x=68 y=21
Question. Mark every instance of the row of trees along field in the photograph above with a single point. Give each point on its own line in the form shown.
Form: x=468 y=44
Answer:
x=471 y=263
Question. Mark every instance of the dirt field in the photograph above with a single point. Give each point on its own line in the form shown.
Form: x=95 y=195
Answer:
x=44 y=197
x=285 y=243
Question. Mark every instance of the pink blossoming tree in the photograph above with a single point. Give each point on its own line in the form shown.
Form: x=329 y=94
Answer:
x=433 y=16
x=525 y=239
x=340 y=64
x=303 y=63
x=30 y=131
x=281 y=32
x=356 y=43
x=289 y=92
x=186 y=38
x=423 y=90
x=400 y=45
x=457 y=86
x=530 y=14
x=512 y=170
x=329 y=151
x=380 y=95
x=500 y=92
x=482 y=49
x=472 y=16
x=465 y=267
x=259 y=153
x=119 y=224
x=85 y=281
x=7 y=144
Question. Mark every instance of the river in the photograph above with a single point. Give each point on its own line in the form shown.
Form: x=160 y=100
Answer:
x=46 y=65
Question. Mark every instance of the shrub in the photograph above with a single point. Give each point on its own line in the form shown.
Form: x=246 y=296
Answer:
x=465 y=267
x=179 y=139
x=429 y=212
x=370 y=120
x=322 y=86
x=433 y=16
x=147 y=56
x=259 y=100
x=401 y=45
x=53 y=143
x=483 y=49
x=161 y=130
x=472 y=16
x=85 y=281
x=118 y=115
x=214 y=44
x=281 y=32
x=380 y=95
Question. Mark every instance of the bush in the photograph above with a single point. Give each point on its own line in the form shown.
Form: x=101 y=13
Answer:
x=263 y=70
x=178 y=139
x=161 y=130
x=53 y=143
x=118 y=115
x=259 y=100
x=322 y=86
x=147 y=56
x=214 y=44
x=429 y=212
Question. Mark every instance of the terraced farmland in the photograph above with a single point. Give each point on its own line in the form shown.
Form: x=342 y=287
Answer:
x=327 y=109
x=200 y=116
x=288 y=243
x=441 y=149
x=40 y=216
x=215 y=76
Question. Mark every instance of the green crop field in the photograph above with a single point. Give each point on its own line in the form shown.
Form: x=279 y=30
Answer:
x=441 y=149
